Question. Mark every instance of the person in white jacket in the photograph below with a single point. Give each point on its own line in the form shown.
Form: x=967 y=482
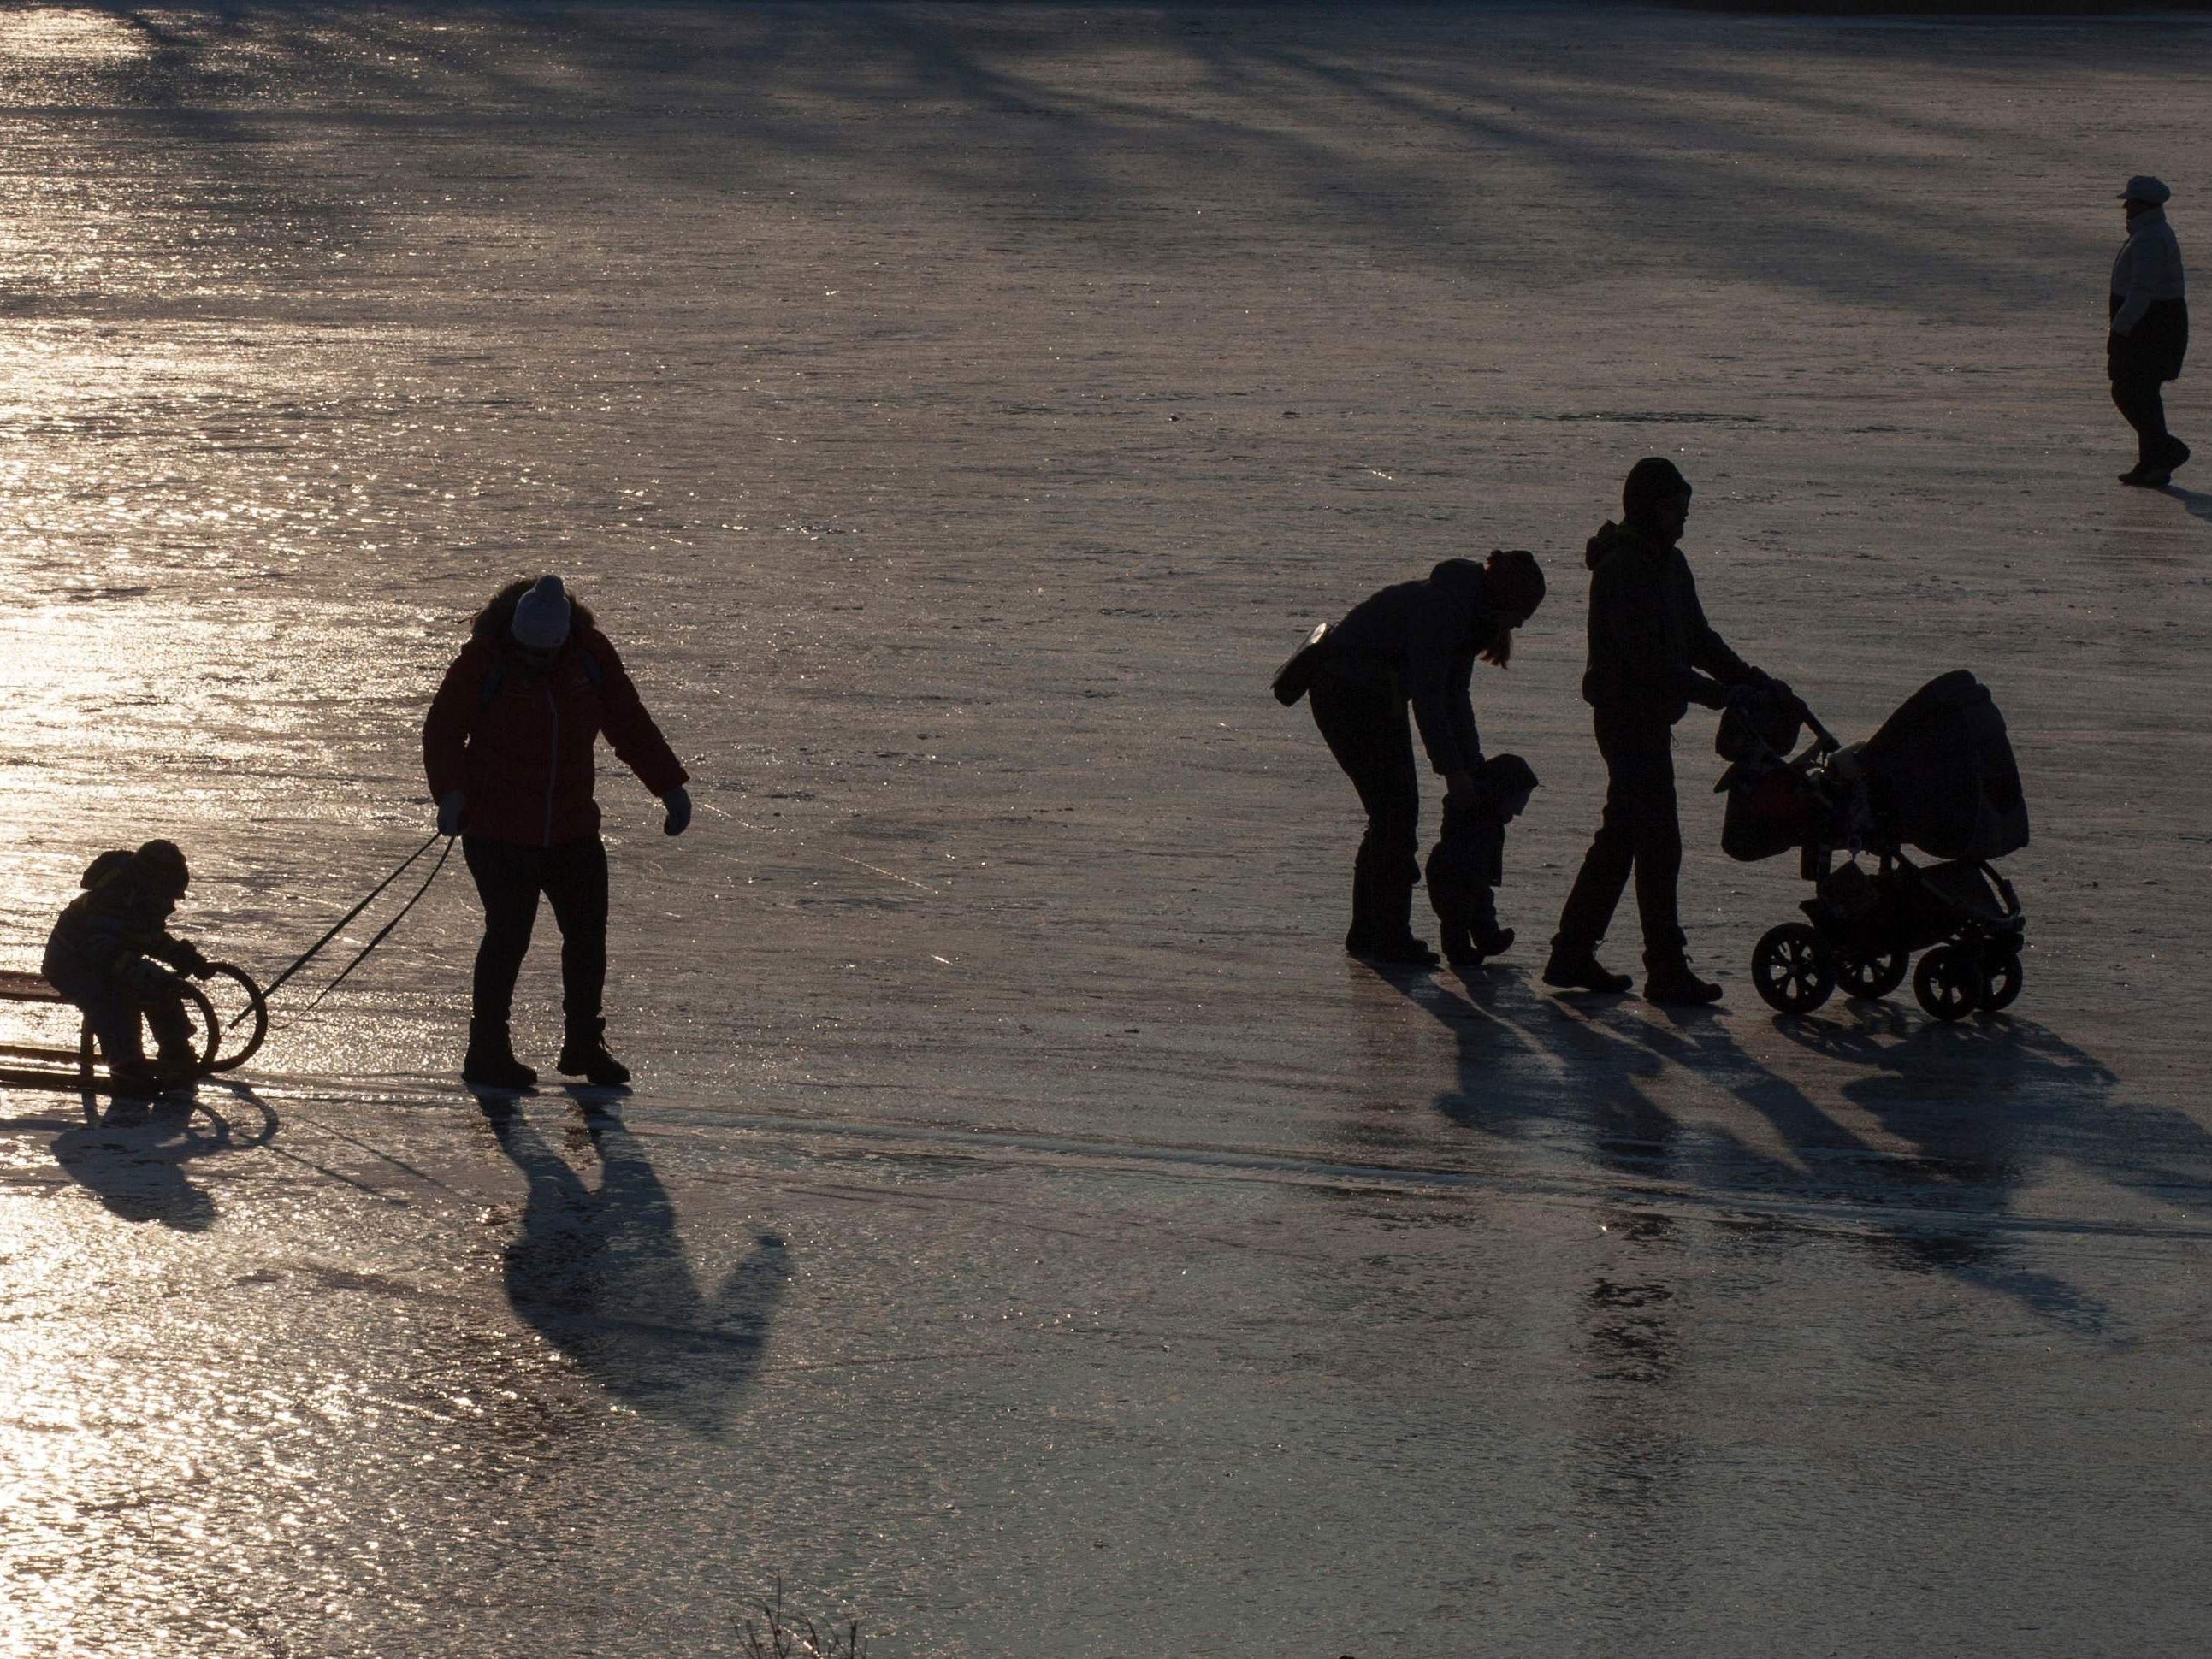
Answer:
x=2150 y=332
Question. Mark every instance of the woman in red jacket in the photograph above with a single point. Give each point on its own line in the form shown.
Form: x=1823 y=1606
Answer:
x=507 y=748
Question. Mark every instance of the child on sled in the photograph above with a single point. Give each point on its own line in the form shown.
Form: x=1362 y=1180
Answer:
x=1468 y=861
x=106 y=954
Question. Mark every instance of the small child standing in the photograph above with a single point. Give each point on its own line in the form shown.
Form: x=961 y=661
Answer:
x=105 y=955
x=1469 y=860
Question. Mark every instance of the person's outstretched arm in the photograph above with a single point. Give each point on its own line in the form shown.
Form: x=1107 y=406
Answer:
x=1710 y=652
x=1437 y=688
x=637 y=741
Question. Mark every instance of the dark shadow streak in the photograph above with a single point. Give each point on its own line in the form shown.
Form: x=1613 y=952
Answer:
x=601 y=1273
x=2198 y=503
x=132 y=1155
x=1961 y=1097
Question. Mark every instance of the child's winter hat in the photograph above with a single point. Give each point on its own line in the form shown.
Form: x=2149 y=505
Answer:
x=541 y=616
x=163 y=861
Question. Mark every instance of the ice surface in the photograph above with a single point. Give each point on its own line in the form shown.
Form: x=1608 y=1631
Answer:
x=1030 y=1231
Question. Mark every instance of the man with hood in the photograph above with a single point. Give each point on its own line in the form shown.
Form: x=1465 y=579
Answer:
x=1413 y=645
x=2150 y=330
x=1652 y=654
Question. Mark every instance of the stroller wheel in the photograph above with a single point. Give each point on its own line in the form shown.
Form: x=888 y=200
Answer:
x=1871 y=977
x=1948 y=981
x=2001 y=979
x=1793 y=969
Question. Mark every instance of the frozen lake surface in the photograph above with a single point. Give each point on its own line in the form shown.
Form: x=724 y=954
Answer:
x=1029 y=1231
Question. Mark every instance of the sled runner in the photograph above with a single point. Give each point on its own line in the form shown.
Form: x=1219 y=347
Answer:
x=223 y=1042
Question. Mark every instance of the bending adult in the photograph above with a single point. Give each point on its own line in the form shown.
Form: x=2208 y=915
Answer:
x=1652 y=653
x=1412 y=647
x=2149 y=331
x=507 y=748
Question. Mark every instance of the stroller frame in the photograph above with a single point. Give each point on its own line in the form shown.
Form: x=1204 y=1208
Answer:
x=1863 y=928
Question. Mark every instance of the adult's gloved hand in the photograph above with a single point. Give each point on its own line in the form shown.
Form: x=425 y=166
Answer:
x=452 y=812
x=678 y=803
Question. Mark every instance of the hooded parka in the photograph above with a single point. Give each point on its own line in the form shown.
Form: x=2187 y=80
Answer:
x=519 y=744
x=1652 y=653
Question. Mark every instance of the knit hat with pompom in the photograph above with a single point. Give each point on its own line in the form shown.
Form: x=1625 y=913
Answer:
x=541 y=616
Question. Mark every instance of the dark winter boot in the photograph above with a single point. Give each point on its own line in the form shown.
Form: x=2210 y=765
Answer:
x=134 y=1080
x=1404 y=952
x=1572 y=968
x=1382 y=931
x=584 y=1054
x=1667 y=980
x=177 y=1063
x=491 y=1063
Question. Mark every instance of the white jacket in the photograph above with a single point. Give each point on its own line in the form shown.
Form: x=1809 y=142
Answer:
x=2148 y=268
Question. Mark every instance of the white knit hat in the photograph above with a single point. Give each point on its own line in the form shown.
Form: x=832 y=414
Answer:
x=541 y=616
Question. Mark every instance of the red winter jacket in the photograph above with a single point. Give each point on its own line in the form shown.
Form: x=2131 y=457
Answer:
x=518 y=744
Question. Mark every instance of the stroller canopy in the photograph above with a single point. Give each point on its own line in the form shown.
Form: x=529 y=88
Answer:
x=1941 y=774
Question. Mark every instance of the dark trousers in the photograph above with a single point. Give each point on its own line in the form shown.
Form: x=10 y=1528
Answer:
x=2143 y=406
x=2139 y=363
x=115 y=1012
x=573 y=877
x=1639 y=832
x=1367 y=730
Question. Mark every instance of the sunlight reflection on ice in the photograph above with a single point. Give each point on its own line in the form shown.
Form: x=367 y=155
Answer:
x=68 y=35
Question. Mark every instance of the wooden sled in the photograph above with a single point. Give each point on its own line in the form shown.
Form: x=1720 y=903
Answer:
x=50 y=1065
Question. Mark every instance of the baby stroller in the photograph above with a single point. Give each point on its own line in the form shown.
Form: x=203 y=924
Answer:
x=1939 y=776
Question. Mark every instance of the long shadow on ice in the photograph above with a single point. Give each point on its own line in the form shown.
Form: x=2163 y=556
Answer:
x=133 y=1156
x=601 y=1273
x=1240 y=98
x=1975 y=1105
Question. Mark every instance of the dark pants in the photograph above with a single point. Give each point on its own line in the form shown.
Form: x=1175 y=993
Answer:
x=1368 y=732
x=2140 y=403
x=114 y=1011
x=2139 y=364
x=1638 y=832
x=573 y=877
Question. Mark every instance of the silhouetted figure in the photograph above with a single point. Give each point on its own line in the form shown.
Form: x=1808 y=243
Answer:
x=1652 y=654
x=106 y=955
x=1467 y=863
x=507 y=748
x=1411 y=646
x=2150 y=330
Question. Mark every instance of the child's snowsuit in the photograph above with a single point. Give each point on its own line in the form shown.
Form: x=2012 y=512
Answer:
x=1468 y=862
x=98 y=958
